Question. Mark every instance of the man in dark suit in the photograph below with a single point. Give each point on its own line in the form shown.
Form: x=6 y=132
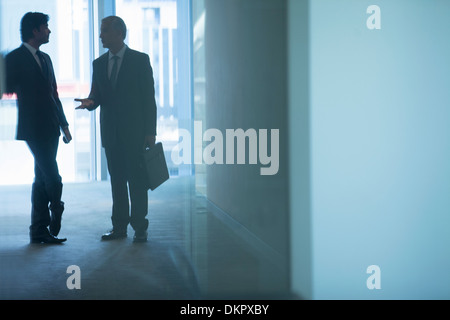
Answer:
x=30 y=75
x=123 y=85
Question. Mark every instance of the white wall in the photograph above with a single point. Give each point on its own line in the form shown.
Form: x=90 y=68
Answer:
x=380 y=149
x=299 y=150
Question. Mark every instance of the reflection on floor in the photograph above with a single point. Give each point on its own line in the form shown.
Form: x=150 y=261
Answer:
x=191 y=254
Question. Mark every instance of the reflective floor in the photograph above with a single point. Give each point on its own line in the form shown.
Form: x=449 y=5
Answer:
x=193 y=252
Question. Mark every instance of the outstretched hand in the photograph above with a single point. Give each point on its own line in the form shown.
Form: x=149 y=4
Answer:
x=85 y=104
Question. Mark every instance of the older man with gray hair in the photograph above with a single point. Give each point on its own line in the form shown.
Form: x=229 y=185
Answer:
x=123 y=85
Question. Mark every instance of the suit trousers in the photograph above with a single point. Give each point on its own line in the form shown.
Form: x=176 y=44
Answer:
x=126 y=169
x=47 y=187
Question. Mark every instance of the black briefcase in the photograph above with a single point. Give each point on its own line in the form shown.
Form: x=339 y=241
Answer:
x=156 y=166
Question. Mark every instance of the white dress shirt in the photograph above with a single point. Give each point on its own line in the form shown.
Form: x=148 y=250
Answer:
x=33 y=52
x=119 y=54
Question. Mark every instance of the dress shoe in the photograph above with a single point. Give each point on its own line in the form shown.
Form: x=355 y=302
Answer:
x=140 y=236
x=47 y=239
x=55 y=222
x=114 y=235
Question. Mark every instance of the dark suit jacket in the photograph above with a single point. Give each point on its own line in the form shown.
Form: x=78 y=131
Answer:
x=128 y=112
x=40 y=111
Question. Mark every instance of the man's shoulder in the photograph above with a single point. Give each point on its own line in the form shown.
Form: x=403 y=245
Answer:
x=136 y=54
x=99 y=63
x=16 y=52
x=101 y=58
x=17 y=56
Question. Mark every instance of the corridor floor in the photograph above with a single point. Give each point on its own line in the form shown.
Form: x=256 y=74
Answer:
x=191 y=254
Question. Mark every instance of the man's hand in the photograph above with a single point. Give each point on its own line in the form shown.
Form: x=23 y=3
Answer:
x=67 y=137
x=85 y=104
x=149 y=141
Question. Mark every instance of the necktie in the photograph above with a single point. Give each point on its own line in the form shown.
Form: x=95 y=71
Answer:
x=43 y=63
x=113 y=77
